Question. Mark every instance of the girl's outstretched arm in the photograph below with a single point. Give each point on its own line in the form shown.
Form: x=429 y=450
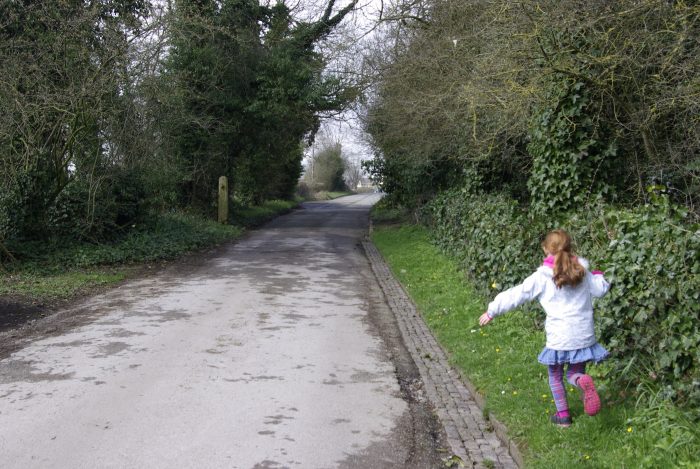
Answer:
x=485 y=319
x=530 y=289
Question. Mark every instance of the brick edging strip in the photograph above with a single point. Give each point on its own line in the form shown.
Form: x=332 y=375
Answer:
x=457 y=404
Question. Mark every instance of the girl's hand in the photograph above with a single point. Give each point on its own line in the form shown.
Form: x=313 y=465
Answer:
x=485 y=319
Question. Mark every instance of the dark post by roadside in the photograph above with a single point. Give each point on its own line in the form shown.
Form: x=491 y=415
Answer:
x=223 y=199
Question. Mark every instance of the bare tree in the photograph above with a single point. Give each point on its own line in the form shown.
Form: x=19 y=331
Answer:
x=353 y=171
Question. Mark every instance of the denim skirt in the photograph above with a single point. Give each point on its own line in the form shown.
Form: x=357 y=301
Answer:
x=595 y=353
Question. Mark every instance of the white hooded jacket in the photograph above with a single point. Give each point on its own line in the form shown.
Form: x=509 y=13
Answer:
x=569 y=323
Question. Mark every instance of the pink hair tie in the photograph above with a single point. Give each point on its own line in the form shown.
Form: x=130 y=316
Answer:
x=597 y=272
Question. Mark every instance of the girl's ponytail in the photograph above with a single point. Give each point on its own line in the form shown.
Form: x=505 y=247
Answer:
x=567 y=269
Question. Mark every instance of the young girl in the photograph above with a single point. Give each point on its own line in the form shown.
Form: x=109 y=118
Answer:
x=565 y=288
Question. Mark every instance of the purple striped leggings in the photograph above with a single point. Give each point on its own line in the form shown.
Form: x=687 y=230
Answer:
x=556 y=382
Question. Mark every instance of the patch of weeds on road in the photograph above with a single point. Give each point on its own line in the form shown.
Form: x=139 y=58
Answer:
x=453 y=462
x=501 y=361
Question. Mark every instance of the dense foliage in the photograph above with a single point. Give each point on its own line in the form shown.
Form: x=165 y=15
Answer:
x=67 y=125
x=516 y=93
x=113 y=109
x=510 y=118
x=249 y=88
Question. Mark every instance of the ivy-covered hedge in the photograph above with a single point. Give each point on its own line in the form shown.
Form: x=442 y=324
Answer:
x=489 y=234
x=650 y=320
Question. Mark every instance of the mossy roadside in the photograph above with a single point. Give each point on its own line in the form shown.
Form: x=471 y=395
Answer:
x=500 y=360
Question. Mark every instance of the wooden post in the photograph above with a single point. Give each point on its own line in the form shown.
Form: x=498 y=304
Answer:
x=223 y=200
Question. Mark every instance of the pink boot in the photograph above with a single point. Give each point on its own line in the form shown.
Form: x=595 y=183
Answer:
x=591 y=400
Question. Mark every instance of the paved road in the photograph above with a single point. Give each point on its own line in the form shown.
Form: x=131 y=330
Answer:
x=276 y=351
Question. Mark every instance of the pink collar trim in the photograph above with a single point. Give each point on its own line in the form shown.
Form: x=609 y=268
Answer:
x=549 y=261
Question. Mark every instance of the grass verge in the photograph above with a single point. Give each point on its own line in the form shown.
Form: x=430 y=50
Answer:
x=47 y=272
x=501 y=361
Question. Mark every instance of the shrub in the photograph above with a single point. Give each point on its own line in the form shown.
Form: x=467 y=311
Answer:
x=303 y=190
x=98 y=209
x=255 y=215
x=489 y=234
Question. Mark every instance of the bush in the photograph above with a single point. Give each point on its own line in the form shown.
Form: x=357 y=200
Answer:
x=386 y=213
x=303 y=190
x=489 y=234
x=650 y=320
x=97 y=210
x=165 y=237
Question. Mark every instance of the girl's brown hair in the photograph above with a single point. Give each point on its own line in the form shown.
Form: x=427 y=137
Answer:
x=567 y=270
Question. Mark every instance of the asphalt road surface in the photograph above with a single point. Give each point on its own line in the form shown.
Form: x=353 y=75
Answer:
x=275 y=351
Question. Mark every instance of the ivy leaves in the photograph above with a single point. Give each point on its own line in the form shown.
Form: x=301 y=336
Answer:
x=568 y=150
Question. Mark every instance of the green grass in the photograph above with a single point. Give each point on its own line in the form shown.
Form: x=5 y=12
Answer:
x=335 y=195
x=501 y=361
x=48 y=271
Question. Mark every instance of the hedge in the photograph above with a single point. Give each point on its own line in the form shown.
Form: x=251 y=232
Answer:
x=650 y=320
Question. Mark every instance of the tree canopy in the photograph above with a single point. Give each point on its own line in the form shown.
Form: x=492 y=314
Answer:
x=558 y=103
x=112 y=108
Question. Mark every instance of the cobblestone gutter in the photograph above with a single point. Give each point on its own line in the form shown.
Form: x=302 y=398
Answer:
x=478 y=442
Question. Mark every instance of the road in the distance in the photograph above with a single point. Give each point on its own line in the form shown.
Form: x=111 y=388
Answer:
x=268 y=354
